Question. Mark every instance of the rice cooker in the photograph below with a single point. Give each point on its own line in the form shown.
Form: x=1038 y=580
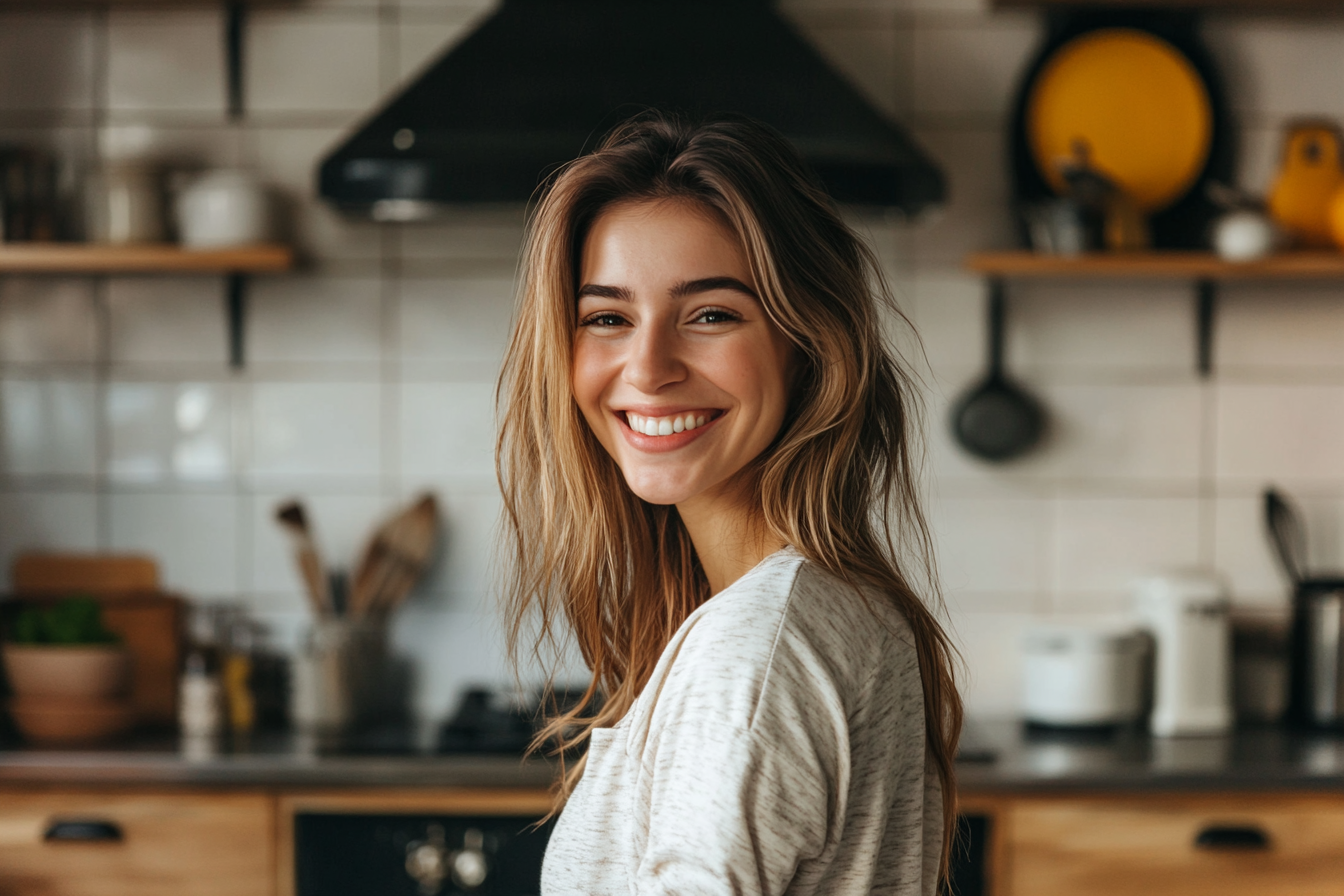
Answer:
x=1083 y=674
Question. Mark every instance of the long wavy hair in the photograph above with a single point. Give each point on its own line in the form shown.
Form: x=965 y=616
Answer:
x=587 y=558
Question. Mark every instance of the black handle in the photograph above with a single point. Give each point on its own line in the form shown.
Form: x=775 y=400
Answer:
x=1232 y=837
x=84 y=830
x=995 y=326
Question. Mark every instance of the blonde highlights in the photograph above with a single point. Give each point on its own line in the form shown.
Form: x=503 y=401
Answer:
x=839 y=482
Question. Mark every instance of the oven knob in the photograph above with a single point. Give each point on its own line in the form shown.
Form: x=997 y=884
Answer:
x=426 y=860
x=470 y=867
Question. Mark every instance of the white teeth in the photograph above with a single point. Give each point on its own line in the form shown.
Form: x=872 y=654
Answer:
x=664 y=426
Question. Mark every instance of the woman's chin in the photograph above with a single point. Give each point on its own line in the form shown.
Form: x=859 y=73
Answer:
x=658 y=490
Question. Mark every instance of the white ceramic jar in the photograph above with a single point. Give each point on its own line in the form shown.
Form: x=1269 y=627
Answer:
x=1188 y=614
x=223 y=207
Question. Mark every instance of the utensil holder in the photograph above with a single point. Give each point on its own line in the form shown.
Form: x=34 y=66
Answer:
x=338 y=675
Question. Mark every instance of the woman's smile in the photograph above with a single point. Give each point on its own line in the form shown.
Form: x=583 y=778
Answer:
x=678 y=370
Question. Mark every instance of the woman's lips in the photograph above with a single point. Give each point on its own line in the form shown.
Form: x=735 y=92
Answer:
x=678 y=432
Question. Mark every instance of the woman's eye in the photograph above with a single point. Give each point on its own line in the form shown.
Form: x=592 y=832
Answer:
x=715 y=316
x=602 y=319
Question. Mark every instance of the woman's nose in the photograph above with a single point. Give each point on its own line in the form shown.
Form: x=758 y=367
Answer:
x=653 y=361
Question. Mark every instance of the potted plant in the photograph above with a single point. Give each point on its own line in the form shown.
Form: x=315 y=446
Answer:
x=69 y=674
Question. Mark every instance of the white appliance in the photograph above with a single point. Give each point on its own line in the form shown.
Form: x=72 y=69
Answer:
x=1187 y=613
x=1077 y=674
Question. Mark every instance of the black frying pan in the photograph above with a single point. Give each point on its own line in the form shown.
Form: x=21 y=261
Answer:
x=996 y=420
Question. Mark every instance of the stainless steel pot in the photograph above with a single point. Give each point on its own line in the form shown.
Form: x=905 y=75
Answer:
x=1318 y=654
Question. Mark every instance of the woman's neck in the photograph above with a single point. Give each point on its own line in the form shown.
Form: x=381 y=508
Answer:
x=729 y=535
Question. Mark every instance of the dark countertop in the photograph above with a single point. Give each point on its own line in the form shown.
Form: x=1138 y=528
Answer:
x=270 y=760
x=1006 y=756
x=997 y=756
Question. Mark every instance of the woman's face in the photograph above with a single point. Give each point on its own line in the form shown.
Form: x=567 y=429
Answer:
x=677 y=369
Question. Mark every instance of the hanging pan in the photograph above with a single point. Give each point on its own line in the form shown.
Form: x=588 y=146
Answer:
x=997 y=420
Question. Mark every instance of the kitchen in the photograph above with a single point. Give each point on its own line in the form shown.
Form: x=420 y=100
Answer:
x=369 y=369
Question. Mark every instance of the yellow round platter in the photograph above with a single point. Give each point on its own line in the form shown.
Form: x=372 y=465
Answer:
x=1134 y=103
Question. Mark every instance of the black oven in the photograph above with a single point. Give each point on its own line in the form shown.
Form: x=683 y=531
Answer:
x=338 y=854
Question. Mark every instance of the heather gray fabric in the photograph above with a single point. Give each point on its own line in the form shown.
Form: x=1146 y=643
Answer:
x=778 y=748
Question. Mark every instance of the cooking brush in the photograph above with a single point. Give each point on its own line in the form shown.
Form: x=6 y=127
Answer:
x=294 y=521
x=395 y=558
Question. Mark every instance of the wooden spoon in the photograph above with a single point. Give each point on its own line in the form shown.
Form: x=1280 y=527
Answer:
x=395 y=559
x=294 y=521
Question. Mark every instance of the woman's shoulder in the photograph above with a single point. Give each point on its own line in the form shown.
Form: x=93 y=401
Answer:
x=788 y=592
x=791 y=620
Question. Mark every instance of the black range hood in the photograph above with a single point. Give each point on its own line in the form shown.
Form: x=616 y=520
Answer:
x=540 y=80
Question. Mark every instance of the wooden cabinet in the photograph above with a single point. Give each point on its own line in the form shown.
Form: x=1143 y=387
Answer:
x=1256 y=844
x=92 y=842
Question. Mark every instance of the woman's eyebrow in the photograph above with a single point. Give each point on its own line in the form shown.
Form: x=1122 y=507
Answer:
x=619 y=293
x=709 y=284
x=681 y=290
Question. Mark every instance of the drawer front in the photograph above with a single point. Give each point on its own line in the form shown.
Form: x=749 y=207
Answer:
x=1213 y=846
x=185 y=844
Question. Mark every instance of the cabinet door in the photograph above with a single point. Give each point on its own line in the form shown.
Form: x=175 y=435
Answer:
x=118 y=843
x=1192 y=846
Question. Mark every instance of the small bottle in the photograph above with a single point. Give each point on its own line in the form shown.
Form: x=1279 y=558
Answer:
x=200 y=701
x=237 y=678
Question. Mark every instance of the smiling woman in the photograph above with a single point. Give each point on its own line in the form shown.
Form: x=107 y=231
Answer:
x=706 y=468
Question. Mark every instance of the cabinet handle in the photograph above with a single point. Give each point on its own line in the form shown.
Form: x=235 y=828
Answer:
x=84 y=830
x=1233 y=837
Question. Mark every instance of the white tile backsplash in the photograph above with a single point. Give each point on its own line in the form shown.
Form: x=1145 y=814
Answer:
x=316 y=431
x=1284 y=433
x=46 y=519
x=1284 y=68
x=167 y=321
x=312 y=63
x=160 y=432
x=371 y=368
x=1280 y=328
x=457 y=325
x=969 y=66
x=990 y=550
x=193 y=536
x=48 y=427
x=1104 y=544
x=448 y=431
x=47 y=63
x=166 y=62
x=315 y=319
x=47 y=321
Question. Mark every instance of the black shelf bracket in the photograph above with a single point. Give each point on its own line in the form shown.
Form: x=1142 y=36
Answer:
x=1206 y=309
x=235 y=23
x=235 y=310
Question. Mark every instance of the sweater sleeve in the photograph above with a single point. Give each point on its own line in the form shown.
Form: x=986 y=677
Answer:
x=744 y=767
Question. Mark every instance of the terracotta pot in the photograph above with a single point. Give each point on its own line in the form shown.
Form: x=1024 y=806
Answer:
x=56 y=720
x=76 y=672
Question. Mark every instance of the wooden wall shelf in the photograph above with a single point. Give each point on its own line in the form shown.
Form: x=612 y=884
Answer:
x=1204 y=269
x=1153 y=265
x=89 y=258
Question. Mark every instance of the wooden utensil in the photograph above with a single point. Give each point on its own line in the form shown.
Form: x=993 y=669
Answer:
x=294 y=521
x=395 y=558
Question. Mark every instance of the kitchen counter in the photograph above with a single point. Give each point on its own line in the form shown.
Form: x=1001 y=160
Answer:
x=1001 y=755
x=271 y=760
x=997 y=756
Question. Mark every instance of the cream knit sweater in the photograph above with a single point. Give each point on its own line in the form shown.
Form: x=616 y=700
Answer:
x=777 y=748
